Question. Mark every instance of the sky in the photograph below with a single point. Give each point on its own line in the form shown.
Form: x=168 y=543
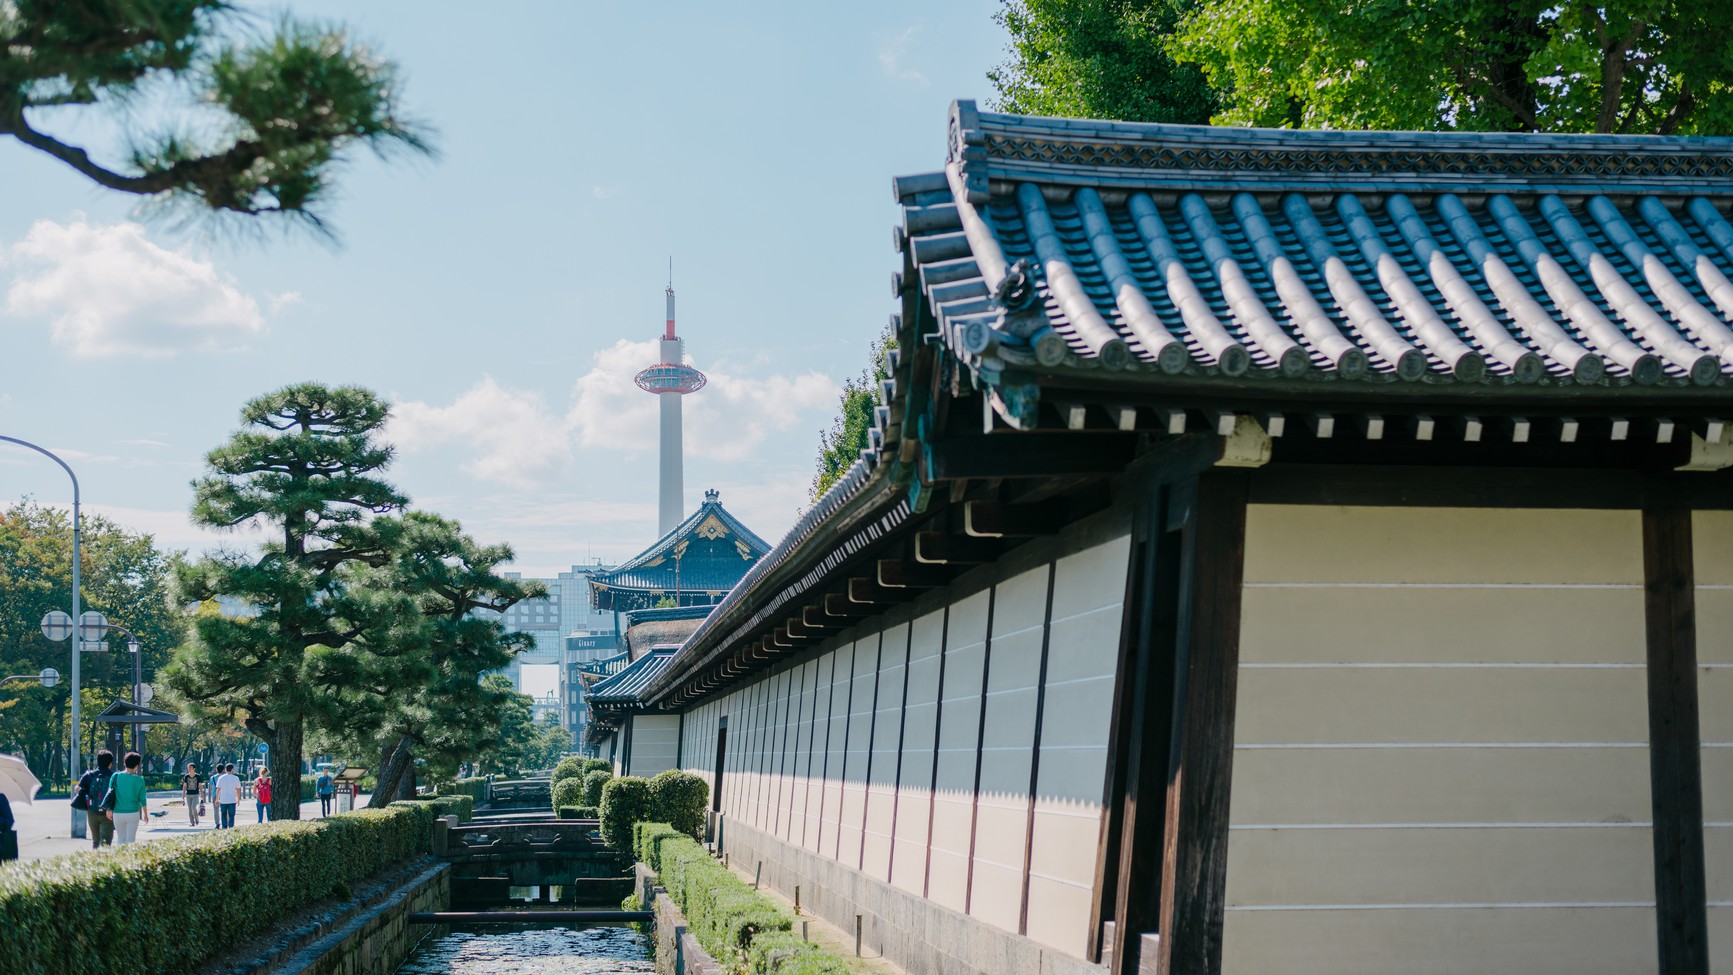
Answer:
x=503 y=295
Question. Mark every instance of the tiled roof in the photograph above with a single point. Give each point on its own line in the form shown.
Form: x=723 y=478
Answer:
x=1163 y=252
x=706 y=553
x=625 y=687
x=607 y=666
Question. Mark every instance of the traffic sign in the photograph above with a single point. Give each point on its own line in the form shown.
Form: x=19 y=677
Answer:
x=264 y=748
x=49 y=677
x=92 y=626
x=56 y=626
x=145 y=693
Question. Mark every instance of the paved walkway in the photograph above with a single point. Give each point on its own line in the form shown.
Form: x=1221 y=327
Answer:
x=44 y=828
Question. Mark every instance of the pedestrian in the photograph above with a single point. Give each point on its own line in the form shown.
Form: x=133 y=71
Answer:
x=228 y=793
x=92 y=789
x=193 y=791
x=8 y=837
x=324 y=788
x=262 y=793
x=126 y=800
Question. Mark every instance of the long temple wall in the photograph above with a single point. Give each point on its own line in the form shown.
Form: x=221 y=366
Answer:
x=1441 y=755
x=947 y=756
x=655 y=743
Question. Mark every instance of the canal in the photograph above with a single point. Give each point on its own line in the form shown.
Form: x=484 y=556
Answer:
x=533 y=949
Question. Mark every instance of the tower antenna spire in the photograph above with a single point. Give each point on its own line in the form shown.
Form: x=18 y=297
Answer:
x=670 y=379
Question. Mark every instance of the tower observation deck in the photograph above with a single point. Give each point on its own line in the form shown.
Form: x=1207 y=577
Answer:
x=670 y=379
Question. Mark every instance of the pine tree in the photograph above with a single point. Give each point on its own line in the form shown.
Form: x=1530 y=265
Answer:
x=415 y=687
x=305 y=468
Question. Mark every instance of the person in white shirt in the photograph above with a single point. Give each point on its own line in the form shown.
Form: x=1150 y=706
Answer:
x=227 y=787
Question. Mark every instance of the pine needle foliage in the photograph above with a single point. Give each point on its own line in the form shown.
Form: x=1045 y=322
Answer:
x=265 y=117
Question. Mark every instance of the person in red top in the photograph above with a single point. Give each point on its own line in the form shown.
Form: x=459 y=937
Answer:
x=262 y=792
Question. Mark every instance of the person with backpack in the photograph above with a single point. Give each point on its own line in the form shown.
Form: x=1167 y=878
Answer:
x=325 y=788
x=262 y=793
x=92 y=790
x=126 y=800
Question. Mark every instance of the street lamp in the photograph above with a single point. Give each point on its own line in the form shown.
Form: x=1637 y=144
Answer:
x=75 y=758
x=49 y=677
x=92 y=628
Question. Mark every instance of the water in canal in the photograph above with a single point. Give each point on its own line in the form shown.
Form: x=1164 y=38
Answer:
x=533 y=949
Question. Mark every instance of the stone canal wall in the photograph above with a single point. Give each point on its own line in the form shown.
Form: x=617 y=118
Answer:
x=677 y=951
x=370 y=935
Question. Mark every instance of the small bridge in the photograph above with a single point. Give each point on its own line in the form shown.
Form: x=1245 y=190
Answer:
x=488 y=858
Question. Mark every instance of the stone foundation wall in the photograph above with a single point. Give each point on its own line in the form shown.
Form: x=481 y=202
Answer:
x=917 y=934
x=677 y=952
x=376 y=937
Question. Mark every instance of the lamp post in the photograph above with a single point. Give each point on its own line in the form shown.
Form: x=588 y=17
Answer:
x=49 y=677
x=75 y=759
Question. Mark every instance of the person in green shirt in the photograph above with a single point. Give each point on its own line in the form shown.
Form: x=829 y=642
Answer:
x=126 y=800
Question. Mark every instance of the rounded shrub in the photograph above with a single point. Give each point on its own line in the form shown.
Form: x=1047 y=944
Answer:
x=568 y=792
x=679 y=799
x=592 y=764
x=625 y=802
x=570 y=767
x=594 y=780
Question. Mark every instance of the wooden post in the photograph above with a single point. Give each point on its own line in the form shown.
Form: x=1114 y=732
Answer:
x=1675 y=774
x=1200 y=766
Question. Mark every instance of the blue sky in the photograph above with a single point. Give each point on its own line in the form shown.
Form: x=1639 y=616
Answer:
x=488 y=293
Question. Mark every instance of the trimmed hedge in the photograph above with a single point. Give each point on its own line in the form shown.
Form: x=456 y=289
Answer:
x=570 y=767
x=594 y=781
x=680 y=799
x=577 y=812
x=463 y=807
x=99 y=912
x=625 y=803
x=475 y=788
x=598 y=765
x=568 y=792
x=742 y=928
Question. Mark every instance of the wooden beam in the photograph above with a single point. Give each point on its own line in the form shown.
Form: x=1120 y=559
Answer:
x=1194 y=858
x=1032 y=454
x=814 y=618
x=897 y=574
x=1675 y=773
x=990 y=519
x=779 y=639
x=838 y=604
x=939 y=548
x=796 y=629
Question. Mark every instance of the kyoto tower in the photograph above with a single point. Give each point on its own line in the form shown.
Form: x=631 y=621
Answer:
x=671 y=379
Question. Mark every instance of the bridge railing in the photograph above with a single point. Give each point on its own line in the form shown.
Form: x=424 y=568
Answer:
x=511 y=840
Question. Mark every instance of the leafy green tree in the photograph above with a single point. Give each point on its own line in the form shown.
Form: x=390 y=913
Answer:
x=519 y=739
x=264 y=116
x=125 y=576
x=1636 y=66
x=1099 y=59
x=305 y=467
x=840 y=446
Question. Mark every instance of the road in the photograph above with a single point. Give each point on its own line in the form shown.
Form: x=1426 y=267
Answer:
x=44 y=828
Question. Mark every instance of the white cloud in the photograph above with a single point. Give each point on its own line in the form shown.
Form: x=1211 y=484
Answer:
x=894 y=54
x=517 y=440
x=600 y=192
x=111 y=292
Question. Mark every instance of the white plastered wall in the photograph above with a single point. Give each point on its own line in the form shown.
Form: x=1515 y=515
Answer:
x=1440 y=744
x=868 y=752
x=655 y=744
x=1712 y=546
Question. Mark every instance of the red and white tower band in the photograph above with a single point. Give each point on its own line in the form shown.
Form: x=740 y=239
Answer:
x=671 y=379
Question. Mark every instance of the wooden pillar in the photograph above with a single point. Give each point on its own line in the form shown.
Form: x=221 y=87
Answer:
x=1200 y=764
x=1675 y=774
x=1163 y=865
